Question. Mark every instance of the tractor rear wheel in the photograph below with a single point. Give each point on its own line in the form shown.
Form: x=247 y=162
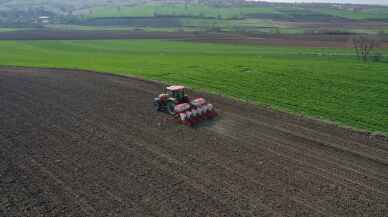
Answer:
x=171 y=108
x=157 y=106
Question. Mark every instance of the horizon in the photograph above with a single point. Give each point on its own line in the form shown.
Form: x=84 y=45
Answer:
x=365 y=2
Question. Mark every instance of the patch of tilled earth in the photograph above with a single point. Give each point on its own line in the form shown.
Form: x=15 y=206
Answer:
x=305 y=40
x=81 y=143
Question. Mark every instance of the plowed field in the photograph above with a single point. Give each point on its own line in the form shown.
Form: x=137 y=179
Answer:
x=86 y=144
x=309 y=41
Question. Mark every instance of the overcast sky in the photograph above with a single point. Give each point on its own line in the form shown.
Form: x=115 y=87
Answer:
x=382 y=2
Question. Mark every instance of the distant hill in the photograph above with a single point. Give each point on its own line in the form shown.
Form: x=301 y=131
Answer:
x=368 y=2
x=209 y=14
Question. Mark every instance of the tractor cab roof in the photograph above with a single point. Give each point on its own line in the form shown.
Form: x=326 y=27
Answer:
x=175 y=88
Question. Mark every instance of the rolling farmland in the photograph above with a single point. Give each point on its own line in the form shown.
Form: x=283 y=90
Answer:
x=340 y=88
x=238 y=11
x=302 y=122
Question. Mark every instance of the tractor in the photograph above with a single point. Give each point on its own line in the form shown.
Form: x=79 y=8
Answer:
x=188 y=112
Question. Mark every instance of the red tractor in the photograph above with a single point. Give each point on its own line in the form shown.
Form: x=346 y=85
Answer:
x=189 y=112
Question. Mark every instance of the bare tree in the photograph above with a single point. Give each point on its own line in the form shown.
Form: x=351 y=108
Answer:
x=364 y=45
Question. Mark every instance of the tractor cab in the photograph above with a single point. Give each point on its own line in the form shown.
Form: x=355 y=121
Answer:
x=178 y=93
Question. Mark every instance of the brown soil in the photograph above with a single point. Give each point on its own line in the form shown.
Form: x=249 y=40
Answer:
x=87 y=144
x=230 y=38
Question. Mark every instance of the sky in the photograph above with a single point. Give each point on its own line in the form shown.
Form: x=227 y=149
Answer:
x=379 y=2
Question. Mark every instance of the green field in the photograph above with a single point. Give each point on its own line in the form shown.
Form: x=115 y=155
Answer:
x=12 y=29
x=326 y=83
x=371 y=13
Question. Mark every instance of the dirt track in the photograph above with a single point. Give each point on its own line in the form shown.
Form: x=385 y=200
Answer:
x=80 y=143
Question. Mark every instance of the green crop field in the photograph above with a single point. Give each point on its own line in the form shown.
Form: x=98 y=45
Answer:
x=326 y=83
x=371 y=13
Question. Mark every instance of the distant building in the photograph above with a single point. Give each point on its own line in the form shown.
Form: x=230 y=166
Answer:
x=44 y=20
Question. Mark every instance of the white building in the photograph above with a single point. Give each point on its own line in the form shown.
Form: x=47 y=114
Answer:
x=44 y=19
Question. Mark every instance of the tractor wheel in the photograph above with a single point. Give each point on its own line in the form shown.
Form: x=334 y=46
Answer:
x=171 y=108
x=157 y=106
